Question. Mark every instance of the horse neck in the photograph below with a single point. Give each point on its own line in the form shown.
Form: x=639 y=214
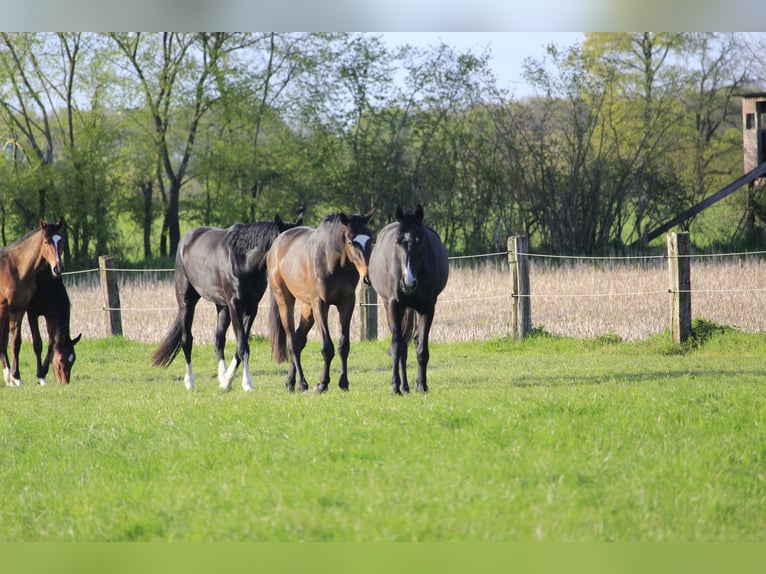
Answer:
x=58 y=328
x=331 y=243
x=27 y=255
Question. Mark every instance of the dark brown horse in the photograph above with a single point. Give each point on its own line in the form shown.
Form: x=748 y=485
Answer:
x=408 y=270
x=228 y=268
x=318 y=267
x=19 y=264
x=51 y=302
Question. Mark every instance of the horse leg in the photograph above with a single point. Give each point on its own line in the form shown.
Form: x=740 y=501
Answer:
x=15 y=336
x=4 y=327
x=247 y=324
x=403 y=350
x=37 y=346
x=45 y=365
x=421 y=345
x=328 y=350
x=242 y=353
x=285 y=302
x=301 y=333
x=394 y=313
x=345 y=311
x=186 y=312
x=220 y=342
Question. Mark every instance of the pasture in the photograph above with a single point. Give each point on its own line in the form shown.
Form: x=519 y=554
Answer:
x=550 y=439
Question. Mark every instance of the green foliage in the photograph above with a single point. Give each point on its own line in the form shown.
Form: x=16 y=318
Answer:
x=133 y=136
x=543 y=439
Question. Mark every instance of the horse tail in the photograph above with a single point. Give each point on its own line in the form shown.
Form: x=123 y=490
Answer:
x=278 y=335
x=409 y=322
x=169 y=346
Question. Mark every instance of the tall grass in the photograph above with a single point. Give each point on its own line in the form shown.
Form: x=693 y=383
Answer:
x=580 y=298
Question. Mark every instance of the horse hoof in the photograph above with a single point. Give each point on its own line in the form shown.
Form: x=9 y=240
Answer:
x=320 y=388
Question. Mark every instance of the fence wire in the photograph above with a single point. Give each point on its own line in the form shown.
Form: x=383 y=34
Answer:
x=567 y=292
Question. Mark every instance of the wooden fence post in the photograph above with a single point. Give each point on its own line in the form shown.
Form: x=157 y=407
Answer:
x=521 y=312
x=369 y=313
x=111 y=292
x=679 y=267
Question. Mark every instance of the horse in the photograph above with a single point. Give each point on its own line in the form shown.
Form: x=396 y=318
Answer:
x=318 y=267
x=19 y=263
x=50 y=301
x=228 y=268
x=408 y=270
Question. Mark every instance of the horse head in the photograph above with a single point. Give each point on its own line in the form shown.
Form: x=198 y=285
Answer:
x=285 y=225
x=64 y=357
x=411 y=245
x=52 y=243
x=358 y=241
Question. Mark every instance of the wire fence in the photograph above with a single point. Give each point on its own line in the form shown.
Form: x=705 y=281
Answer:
x=578 y=296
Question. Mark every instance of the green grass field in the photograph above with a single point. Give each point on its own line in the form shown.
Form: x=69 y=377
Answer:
x=547 y=439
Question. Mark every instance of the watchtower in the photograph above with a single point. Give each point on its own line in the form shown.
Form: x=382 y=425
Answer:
x=753 y=129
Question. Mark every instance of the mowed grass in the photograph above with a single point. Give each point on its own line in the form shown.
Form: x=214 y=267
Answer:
x=547 y=439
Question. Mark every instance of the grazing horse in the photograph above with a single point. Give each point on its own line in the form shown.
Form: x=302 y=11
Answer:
x=319 y=267
x=19 y=264
x=408 y=269
x=228 y=268
x=51 y=301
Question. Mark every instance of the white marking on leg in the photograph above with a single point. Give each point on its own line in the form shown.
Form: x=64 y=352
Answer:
x=222 y=373
x=16 y=382
x=247 y=382
x=189 y=377
x=41 y=381
x=231 y=370
x=7 y=375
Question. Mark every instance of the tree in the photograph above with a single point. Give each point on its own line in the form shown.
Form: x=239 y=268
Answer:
x=177 y=75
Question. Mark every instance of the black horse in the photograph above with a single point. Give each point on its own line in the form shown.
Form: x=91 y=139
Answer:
x=408 y=269
x=50 y=301
x=228 y=268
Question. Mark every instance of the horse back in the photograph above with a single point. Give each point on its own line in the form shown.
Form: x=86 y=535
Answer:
x=289 y=259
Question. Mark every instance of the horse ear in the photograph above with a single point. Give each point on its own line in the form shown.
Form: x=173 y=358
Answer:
x=76 y=339
x=42 y=223
x=278 y=220
x=419 y=214
x=60 y=223
x=343 y=218
x=299 y=221
x=399 y=213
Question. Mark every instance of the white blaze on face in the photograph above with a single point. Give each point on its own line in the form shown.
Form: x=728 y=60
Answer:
x=409 y=276
x=361 y=240
x=56 y=241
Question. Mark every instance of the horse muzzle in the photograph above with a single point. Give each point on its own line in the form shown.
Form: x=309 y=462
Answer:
x=408 y=287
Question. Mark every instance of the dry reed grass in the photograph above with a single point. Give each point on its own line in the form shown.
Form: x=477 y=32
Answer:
x=577 y=298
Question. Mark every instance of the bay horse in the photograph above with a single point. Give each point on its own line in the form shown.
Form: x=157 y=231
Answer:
x=19 y=264
x=408 y=270
x=228 y=268
x=318 y=267
x=51 y=302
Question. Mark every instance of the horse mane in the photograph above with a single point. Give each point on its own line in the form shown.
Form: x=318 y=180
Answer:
x=331 y=222
x=244 y=237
